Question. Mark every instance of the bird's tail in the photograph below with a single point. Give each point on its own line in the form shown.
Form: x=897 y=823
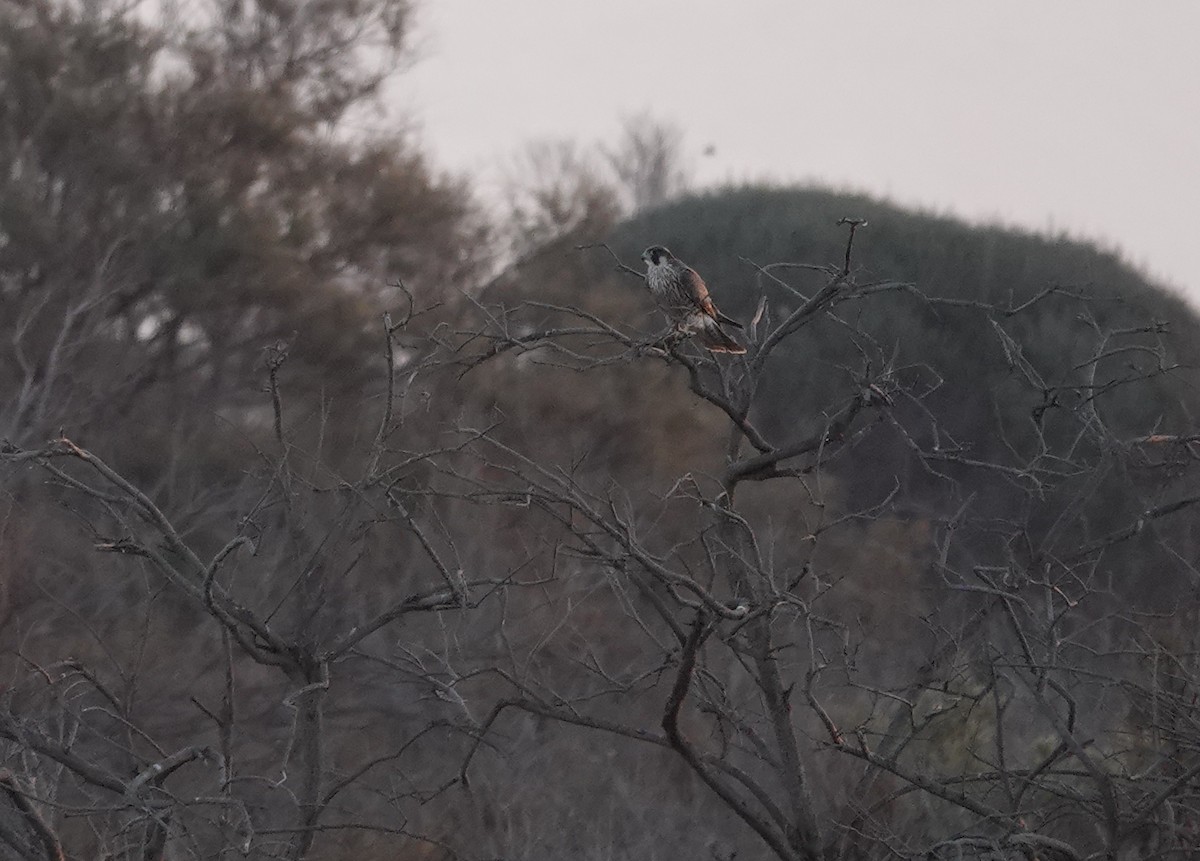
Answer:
x=712 y=337
x=729 y=321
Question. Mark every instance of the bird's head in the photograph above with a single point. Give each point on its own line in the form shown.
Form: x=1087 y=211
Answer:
x=656 y=254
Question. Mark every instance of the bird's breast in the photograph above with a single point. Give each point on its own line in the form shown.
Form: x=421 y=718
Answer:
x=659 y=282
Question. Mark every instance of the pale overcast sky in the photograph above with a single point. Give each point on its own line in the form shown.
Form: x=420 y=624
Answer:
x=1082 y=115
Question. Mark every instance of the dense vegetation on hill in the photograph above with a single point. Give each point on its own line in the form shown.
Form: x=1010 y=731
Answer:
x=725 y=233
x=952 y=311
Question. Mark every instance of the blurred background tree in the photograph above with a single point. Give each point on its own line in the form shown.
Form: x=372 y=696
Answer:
x=181 y=190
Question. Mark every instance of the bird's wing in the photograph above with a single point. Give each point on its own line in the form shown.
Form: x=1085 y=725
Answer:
x=697 y=290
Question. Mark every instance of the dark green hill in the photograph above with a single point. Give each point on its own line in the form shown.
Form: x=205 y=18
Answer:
x=1033 y=368
x=941 y=258
x=769 y=225
x=1015 y=349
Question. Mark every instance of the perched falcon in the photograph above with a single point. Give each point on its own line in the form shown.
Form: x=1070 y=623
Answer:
x=682 y=295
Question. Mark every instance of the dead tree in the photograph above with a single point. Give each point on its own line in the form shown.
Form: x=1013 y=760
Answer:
x=1005 y=697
